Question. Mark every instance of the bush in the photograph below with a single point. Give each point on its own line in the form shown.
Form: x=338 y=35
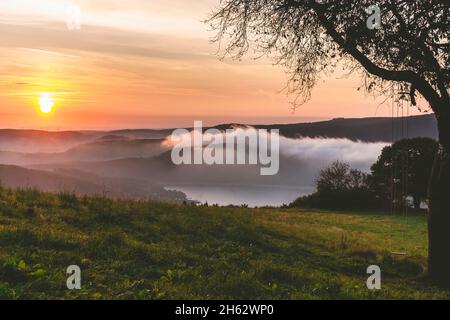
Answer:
x=354 y=199
x=340 y=188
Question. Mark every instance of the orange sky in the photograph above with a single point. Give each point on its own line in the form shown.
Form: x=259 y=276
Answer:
x=139 y=63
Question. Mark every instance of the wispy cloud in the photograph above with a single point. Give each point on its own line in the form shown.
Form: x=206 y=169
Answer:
x=54 y=53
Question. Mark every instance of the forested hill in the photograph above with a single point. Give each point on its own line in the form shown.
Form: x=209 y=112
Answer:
x=364 y=129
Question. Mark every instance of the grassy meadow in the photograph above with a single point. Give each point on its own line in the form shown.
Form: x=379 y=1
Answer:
x=155 y=250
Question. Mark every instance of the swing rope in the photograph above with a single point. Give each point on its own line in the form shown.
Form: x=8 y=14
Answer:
x=400 y=131
x=392 y=184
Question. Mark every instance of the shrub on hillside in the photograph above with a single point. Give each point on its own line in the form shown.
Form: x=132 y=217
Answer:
x=342 y=188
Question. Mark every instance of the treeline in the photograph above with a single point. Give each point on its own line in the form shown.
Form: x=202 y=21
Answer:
x=398 y=179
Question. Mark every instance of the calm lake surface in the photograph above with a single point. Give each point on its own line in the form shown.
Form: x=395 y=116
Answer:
x=253 y=196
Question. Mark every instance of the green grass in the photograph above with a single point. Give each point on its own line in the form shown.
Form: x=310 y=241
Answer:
x=155 y=250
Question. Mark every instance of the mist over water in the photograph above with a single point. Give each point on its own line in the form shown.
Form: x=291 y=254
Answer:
x=138 y=164
x=360 y=155
x=300 y=161
x=253 y=196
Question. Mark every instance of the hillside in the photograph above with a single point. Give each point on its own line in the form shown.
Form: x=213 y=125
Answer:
x=92 y=151
x=136 y=163
x=155 y=250
x=19 y=140
x=83 y=183
x=364 y=129
x=161 y=170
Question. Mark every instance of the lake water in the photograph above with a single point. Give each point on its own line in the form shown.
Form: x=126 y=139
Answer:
x=253 y=196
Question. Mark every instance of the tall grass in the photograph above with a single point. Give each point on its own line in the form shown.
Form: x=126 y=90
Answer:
x=158 y=250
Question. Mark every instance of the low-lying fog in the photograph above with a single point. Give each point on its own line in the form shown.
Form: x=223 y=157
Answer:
x=300 y=161
x=146 y=161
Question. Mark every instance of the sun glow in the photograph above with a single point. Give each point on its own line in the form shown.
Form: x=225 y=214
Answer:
x=46 y=102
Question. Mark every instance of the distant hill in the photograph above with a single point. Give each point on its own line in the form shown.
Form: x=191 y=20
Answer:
x=160 y=169
x=375 y=129
x=115 y=149
x=137 y=163
x=363 y=129
x=97 y=150
x=142 y=133
x=84 y=183
x=40 y=141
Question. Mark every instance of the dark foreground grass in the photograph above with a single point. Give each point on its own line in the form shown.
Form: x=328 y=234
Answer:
x=153 y=250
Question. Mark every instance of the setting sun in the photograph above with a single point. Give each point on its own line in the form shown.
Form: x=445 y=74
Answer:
x=46 y=103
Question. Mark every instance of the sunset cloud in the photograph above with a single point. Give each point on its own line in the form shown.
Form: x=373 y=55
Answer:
x=147 y=59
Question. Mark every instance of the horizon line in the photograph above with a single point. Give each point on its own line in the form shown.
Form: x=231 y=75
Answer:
x=208 y=126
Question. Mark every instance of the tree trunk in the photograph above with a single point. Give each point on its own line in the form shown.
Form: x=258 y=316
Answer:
x=439 y=208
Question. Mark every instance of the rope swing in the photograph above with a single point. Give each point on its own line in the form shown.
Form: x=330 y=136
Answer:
x=400 y=170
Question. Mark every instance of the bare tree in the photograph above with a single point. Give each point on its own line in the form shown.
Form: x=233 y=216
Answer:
x=340 y=176
x=406 y=58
